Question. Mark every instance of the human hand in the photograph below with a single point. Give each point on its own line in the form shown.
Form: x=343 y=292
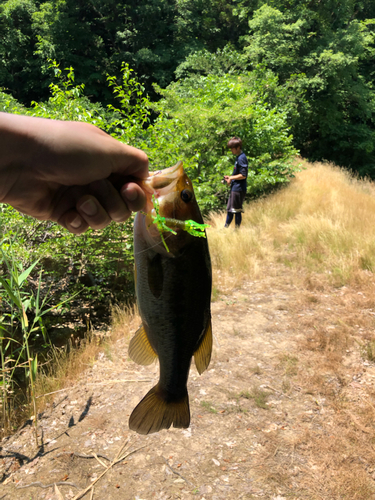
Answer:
x=227 y=179
x=69 y=172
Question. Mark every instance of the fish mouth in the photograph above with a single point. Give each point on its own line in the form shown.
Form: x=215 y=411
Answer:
x=163 y=181
x=167 y=171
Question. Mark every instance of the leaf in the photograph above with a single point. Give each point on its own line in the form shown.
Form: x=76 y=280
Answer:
x=26 y=273
x=34 y=368
x=10 y=293
x=25 y=319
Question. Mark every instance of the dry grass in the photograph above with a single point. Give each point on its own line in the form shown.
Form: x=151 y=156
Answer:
x=68 y=363
x=327 y=449
x=330 y=453
x=125 y=320
x=324 y=221
x=317 y=234
x=58 y=372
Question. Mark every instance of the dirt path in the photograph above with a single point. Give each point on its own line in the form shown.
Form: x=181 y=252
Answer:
x=266 y=419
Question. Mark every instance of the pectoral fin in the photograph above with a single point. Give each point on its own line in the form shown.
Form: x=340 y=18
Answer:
x=140 y=349
x=202 y=355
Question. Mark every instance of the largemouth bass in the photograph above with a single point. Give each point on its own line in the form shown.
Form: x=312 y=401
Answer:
x=173 y=291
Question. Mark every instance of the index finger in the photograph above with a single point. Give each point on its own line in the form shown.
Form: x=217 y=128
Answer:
x=130 y=161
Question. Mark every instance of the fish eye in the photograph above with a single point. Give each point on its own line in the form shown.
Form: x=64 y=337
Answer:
x=186 y=195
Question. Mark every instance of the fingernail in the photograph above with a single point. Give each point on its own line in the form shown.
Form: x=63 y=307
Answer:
x=89 y=208
x=77 y=222
x=129 y=194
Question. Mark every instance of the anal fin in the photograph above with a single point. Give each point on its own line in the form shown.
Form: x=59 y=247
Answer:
x=140 y=349
x=202 y=355
x=155 y=413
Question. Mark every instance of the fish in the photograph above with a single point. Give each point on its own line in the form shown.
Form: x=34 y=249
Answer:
x=173 y=291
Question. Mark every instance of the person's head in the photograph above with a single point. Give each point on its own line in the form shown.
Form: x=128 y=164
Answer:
x=235 y=145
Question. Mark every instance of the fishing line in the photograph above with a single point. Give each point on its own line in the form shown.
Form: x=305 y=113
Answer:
x=160 y=242
x=153 y=246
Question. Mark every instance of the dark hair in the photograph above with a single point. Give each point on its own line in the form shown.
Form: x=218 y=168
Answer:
x=235 y=142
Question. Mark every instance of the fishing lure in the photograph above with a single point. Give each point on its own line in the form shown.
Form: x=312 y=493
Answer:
x=166 y=224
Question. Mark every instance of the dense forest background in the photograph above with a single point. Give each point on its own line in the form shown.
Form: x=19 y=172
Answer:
x=320 y=53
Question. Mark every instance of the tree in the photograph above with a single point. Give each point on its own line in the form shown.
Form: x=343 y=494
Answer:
x=330 y=51
x=19 y=69
x=97 y=36
x=199 y=114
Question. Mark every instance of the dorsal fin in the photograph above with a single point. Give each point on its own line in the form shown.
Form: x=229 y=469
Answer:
x=202 y=355
x=140 y=349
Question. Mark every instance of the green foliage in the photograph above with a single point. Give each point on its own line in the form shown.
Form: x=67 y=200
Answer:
x=97 y=36
x=332 y=56
x=322 y=52
x=18 y=69
x=21 y=323
x=198 y=116
x=221 y=62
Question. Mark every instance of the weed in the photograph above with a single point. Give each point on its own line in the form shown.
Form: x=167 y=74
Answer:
x=235 y=409
x=258 y=395
x=208 y=406
x=20 y=325
x=367 y=350
x=286 y=385
x=215 y=294
x=289 y=364
x=245 y=394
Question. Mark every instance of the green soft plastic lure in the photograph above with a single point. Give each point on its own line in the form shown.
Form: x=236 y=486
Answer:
x=166 y=224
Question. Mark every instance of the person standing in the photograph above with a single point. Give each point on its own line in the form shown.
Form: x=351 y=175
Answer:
x=237 y=182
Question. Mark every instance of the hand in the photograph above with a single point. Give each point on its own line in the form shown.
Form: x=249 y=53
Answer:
x=69 y=172
x=228 y=179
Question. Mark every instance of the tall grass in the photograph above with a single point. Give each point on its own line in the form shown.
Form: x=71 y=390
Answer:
x=21 y=323
x=323 y=221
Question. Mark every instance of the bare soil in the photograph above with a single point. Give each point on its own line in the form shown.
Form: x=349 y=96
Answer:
x=285 y=410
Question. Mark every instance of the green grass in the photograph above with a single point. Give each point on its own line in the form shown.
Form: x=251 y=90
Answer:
x=258 y=395
x=289 y=364
x=207 y=405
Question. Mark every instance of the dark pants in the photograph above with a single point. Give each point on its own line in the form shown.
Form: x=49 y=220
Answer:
x=238 y=218
x=234 y=207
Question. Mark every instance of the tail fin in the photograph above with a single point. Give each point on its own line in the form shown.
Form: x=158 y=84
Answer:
x=154 y=413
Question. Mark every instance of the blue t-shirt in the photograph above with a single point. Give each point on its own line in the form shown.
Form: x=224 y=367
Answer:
x=240 y=167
